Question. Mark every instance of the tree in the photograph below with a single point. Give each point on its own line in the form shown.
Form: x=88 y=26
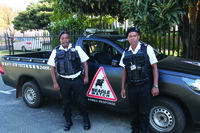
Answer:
x=35 y=17
x=6 y=17
x=93 y=8
x=157 y=16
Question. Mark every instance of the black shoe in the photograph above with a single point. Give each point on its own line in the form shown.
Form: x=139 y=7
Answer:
x=87 y=126
x=67 y=126
x=86 y=123
x=69 y=123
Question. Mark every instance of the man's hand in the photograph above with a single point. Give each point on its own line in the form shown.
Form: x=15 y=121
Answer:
x=155 y=91
x=85 y=80
x=123 y=93
x=56 y=86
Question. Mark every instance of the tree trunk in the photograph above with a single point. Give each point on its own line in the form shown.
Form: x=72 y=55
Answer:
x=189 y=32
x=198 y=31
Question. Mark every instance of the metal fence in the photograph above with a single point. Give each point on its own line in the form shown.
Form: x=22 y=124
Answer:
x=172 y=44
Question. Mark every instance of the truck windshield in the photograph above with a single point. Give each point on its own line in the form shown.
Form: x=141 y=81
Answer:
x=125 y=44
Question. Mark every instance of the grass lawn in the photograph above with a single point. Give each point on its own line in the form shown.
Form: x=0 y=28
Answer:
x=6 y=52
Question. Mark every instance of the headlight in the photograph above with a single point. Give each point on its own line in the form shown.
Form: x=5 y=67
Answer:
x=194 y=84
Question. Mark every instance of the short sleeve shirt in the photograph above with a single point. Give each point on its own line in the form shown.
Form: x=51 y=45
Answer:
x=83 y=57
x=150 y=53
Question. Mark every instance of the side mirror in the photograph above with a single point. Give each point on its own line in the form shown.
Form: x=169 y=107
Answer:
x=115 y=63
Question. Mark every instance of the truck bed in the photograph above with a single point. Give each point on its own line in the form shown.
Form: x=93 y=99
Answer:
x=21 y=68
x=39 y=57
x=43 y=55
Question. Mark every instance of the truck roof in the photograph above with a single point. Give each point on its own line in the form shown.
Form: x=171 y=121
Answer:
x=106 y=36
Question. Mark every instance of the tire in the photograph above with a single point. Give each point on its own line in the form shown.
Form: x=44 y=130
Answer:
x=23 y=49
x=166 y=116
x=32 y=95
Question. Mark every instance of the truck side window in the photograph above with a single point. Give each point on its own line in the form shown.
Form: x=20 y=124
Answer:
x=100 y=52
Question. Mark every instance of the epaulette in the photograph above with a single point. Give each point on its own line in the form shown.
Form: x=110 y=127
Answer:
x=126 y=49
x=73 y=45
x=57 y=47
x=143 y=46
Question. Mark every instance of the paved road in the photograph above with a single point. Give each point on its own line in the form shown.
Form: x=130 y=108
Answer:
x=16 y=117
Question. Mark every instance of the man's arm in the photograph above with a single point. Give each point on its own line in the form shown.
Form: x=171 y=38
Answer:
x=53 y=75
x=123 y=91
x=85 y=66
x=155 y=90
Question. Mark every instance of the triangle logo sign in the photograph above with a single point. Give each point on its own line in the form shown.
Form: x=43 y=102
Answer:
x=100 y=87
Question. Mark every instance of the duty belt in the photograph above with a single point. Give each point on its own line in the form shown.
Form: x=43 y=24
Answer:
x=137 y=82
x=70 y=78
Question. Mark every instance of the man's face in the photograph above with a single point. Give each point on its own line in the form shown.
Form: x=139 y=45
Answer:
x=133 y=38
x=65 y=39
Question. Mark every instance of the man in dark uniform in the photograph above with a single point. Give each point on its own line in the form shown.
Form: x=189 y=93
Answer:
x=67 y=60
x=140 y=72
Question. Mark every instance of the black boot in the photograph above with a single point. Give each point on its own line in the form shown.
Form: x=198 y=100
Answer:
x=86 y=123
x=68 y=124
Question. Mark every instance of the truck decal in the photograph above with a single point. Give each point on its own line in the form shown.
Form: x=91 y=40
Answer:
x=40 y=67
x=100 y=87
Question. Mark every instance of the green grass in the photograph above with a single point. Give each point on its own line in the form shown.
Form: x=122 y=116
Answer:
x=6 y=52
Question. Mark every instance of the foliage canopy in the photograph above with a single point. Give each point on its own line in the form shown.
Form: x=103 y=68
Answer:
x=6 y=17
x=155 y=16
x=93 y=7
x=35 y=17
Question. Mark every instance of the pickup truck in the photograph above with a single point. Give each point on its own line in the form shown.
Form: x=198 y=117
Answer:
x=179 y=81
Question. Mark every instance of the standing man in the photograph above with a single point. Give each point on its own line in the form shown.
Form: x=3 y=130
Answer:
x=140 y=72
x=67 y=60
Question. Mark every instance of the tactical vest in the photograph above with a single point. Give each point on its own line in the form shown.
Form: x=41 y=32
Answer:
x=67 y=62
x=138 y=68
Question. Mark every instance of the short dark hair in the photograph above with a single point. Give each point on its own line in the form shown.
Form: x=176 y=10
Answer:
x=62 y=32
x=133 y=29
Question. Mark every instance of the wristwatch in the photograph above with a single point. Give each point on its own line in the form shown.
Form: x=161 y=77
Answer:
x=155 y=86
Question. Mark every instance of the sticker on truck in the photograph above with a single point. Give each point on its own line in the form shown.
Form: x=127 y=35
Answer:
x=41 y=67
x=100 y=87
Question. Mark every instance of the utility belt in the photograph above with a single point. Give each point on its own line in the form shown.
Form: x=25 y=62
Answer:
x=137 y=82
x=70 y=78
x=71 y=72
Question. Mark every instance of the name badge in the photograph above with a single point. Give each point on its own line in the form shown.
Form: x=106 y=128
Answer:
x=133 y=67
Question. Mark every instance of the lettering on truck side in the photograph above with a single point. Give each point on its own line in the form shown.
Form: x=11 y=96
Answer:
x=41 y=67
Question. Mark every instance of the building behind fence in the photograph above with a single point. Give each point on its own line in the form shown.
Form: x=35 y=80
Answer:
x=171 y=44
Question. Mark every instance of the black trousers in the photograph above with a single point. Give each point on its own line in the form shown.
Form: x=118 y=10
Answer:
x=75 y=87
x=140 y=100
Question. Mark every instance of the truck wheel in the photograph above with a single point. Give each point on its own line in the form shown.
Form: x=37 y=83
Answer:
x=23 y=49
x=166 y=116
x=32 y=95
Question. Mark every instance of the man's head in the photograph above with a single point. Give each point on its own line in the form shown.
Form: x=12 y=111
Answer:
x=64 y=38
x=133 y=35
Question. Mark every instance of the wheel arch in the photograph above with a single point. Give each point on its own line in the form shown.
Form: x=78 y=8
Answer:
x=23 y=79
x=178 y=101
